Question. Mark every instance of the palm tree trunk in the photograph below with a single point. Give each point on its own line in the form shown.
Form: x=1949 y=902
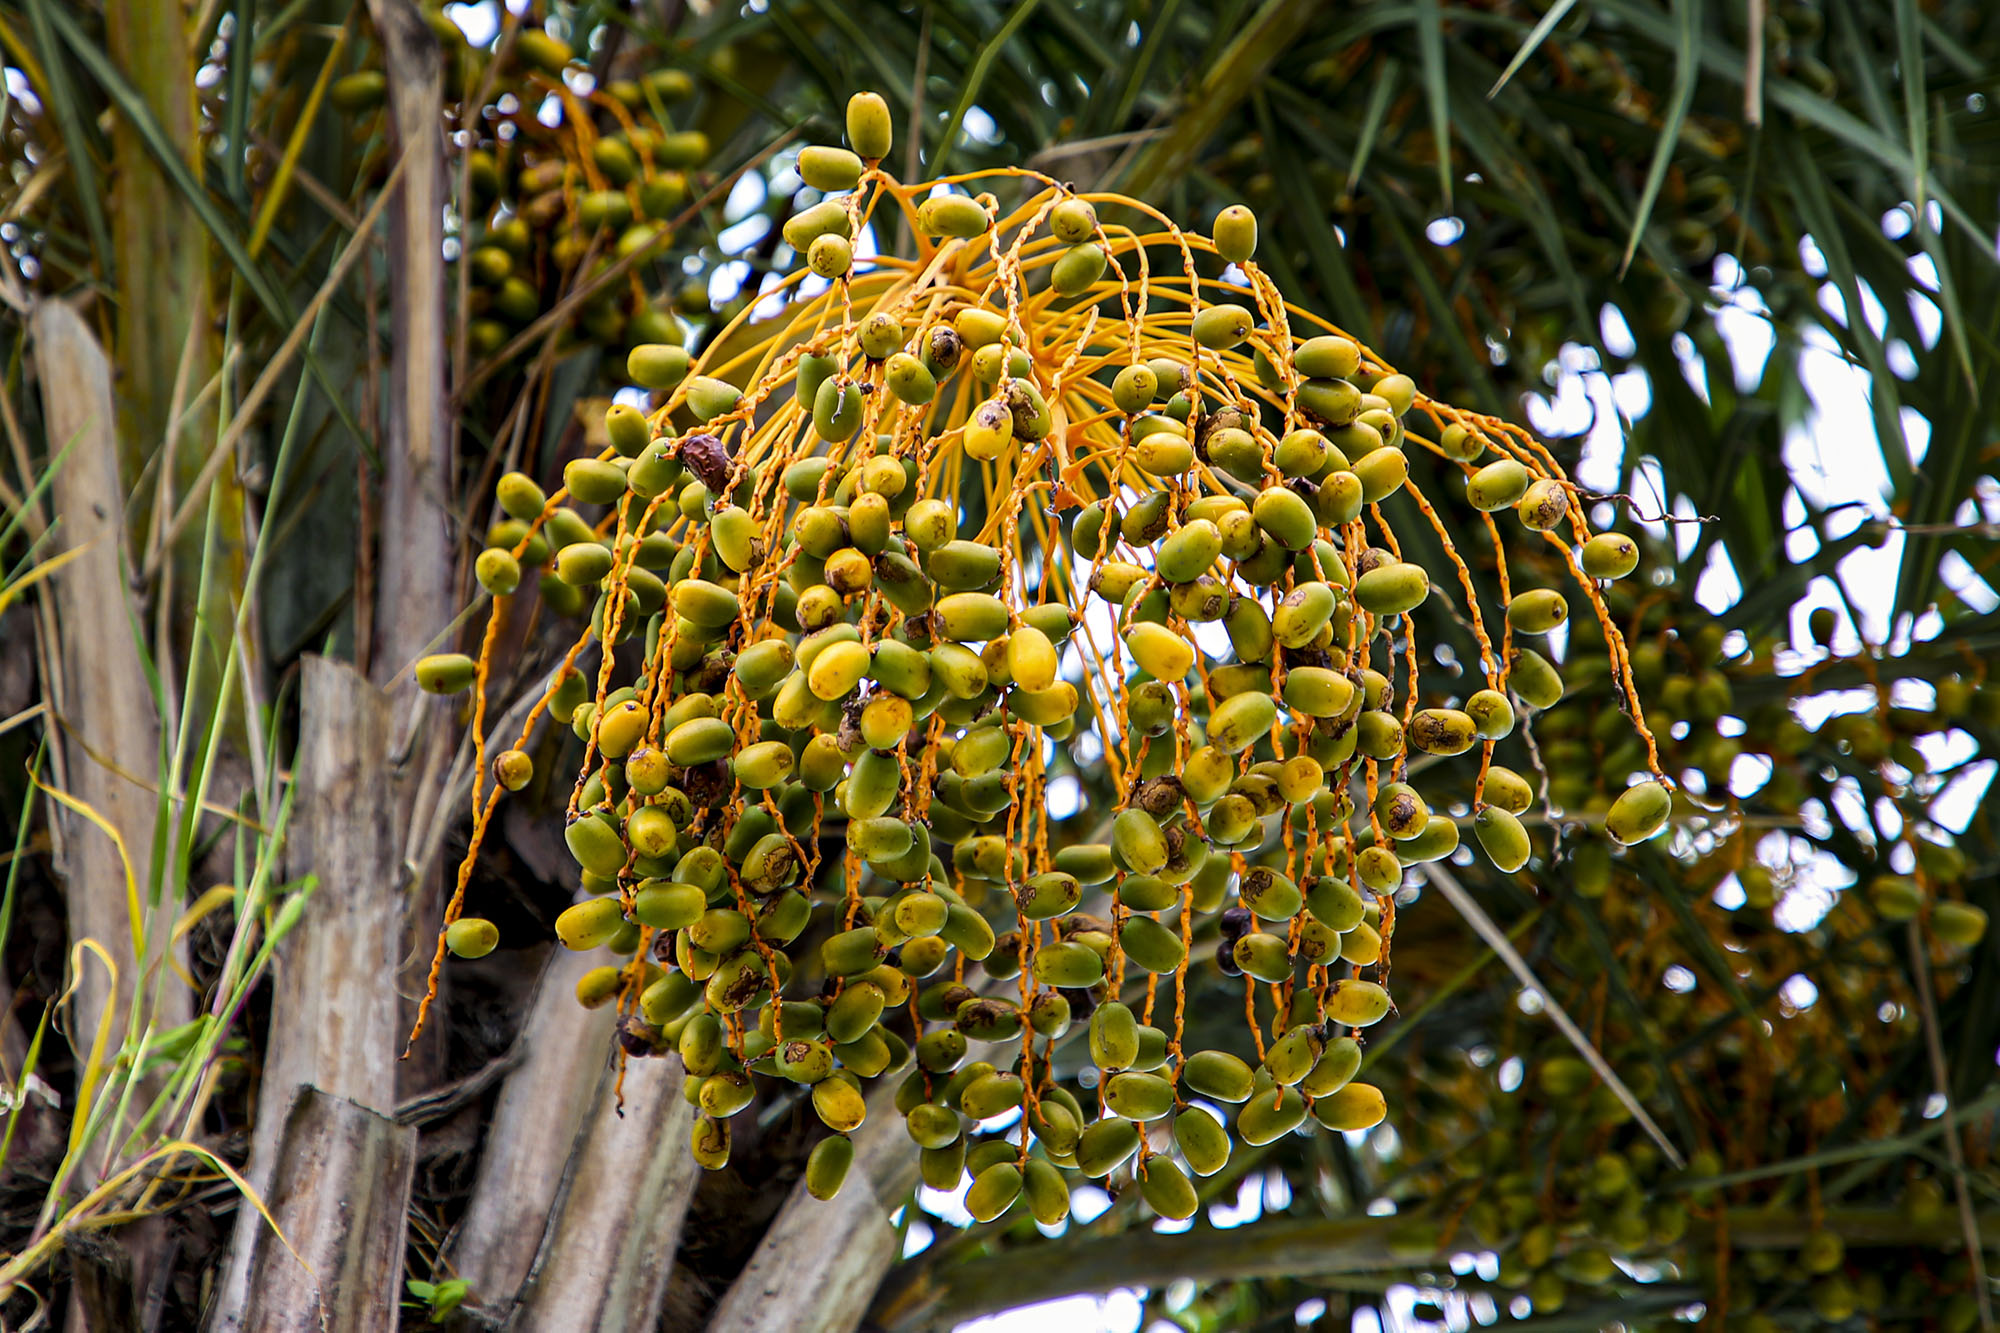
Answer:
x=336 y=1022
x=821 y=1262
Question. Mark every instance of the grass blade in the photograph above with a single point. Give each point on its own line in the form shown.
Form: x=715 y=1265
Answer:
x=1500 y=157
x=1806 y=106
x=1430 y=51
x=1407 y=1023
x=134 y=108
x=281 y=180
x=888 y=67
x=1910 y=73
x=295 y=342
x=33 y=498
x=42 y=570
x=29 y=1063
x=1920 y=966
x=72 y=119
x=1379 y=97
x=1496 y=939
x=1135 y=81
x=14 y=861
x=1541 y=30
x=242 y=55
x=975 y=79
x=1244 y=66
x=1753 y=68
x=1871 y=1150
x=1687 y=15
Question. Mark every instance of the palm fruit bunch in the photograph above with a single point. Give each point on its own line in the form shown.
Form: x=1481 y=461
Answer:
x=608 y=183
x=1710 y=704
x=1764 y=1015
x=552 y=206
x=1535 y=1160
x=969 y=641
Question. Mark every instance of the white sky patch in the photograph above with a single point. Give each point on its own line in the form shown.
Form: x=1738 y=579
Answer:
x=1748 y=773
x=1870 y=578
x=1832 y=459
x=1632 y=393
x=1116 y=1313
x=1799 y=992
x=1249 y=1206
x=1809 y=877
x=1810 y=258
x=1445 y=231
x=1398 y=1310
x=1718 y=588
x=480 y=23
x=1916 y=434
x=1649 y=485
x=1930 y=320
x=20 y=90
x=1087 y=1204
x=1693 y=368
x=727 y=281
x=1584 y=401
x=947 y=1207
x=745 y=197
x=1065 y=797
x=1960 y=577
x=1212 y=637
x=1744 y=322
x=1845 y=797
x=1615 y=332
x=978 y=124
x=1686 y=534
x=737 y=237
x=1809 y=899
x=1566 y=411
x=1960 y=799
x=1872 y=312
x=772 y=301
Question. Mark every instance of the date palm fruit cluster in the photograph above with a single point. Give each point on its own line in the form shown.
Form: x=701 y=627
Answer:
x=561 y=203
x=1575 y=1216
x=1060 y=503
x=1537 y=1160
x=1708 y=708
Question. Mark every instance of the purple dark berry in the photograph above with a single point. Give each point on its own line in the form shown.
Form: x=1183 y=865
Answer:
x=1225 y=958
